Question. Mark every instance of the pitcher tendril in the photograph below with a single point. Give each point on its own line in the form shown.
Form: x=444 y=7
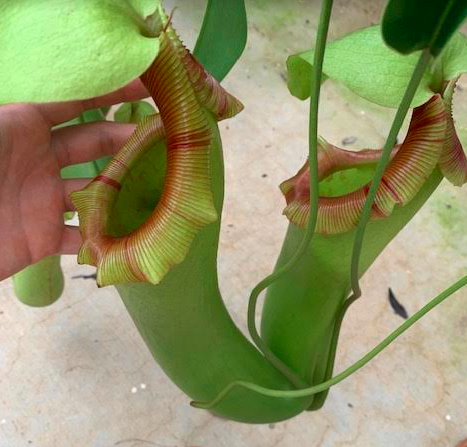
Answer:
x=321 y=38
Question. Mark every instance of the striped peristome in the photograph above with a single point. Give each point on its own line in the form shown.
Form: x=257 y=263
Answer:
x=428 y=138
x=185 y=95
x=453 y=162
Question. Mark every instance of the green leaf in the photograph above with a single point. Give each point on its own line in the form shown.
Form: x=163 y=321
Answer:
x=55 y=50
x=222 y=38
x=453 y=60
x=133 y=112
x=411 y=25
x=363 y=63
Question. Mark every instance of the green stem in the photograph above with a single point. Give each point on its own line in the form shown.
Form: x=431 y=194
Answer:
x=349 y=371
x=313 y=162
x=390 y=142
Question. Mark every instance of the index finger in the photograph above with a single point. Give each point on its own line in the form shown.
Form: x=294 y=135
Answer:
x=59 y=112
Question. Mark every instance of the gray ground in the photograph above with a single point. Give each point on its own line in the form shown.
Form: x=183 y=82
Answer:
x=78 y=374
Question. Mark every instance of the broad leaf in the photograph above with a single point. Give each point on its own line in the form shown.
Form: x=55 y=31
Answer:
x=222 y=38
x=411 y=25
x=363 y=63
x=54 y=50
x=453 y=60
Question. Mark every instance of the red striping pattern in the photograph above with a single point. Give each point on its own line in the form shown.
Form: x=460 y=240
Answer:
x=185 y=95
x=94 y=203
x=416 y=159
x=209 y=91
x=108 y=181
x=412 y=163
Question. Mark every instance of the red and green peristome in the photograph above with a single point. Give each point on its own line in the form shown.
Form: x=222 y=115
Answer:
x=184 y=94
x=431 y=140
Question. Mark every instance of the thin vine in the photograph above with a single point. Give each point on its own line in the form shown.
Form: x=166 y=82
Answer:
x=321 y=39
x=347 y=372
x=404 y=106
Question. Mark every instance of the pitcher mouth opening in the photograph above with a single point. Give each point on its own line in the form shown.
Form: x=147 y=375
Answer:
x=345 y=175
x=136 y=228
x=121 y=204
x=162 y=222
x=141 y=190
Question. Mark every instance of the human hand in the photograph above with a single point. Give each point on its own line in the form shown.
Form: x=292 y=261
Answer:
x=33 y=196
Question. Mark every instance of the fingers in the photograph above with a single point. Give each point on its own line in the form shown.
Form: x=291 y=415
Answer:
x=87 y=142
x=71 y=241
x=59 y=112
x=70 y=186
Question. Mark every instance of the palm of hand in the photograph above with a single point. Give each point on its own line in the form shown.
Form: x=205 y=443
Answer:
x=32 y=193
x=33 y=196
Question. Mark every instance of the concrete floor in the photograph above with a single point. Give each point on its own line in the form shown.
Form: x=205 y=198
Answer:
x=78 y=374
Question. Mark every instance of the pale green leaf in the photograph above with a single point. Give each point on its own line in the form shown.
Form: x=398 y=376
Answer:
x=55 y=50
x=453 y=60
x=363 y=63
